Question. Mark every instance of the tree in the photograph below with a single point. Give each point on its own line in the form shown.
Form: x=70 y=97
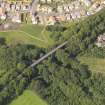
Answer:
x=2 y=41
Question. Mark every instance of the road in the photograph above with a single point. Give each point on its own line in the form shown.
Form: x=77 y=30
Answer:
x=48 y=54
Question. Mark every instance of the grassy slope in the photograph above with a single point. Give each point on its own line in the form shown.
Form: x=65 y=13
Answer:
x=95 y=64
x=44 y=35
x=28 y=34
x=31 y=30
x=28 y=98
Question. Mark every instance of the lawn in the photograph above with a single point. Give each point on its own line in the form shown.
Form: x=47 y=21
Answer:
x=28 y=98
x=30 y=29
x=95 y=64
x=28 y=34
x=40 y=32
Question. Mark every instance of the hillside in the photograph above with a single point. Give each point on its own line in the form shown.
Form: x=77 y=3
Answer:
x=60 y=79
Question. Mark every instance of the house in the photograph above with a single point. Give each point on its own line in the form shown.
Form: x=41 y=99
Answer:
x=24 y=1
x=101 y=41
x=49 y=1
x=58 y=1
x=87 y=2
x=66 y=8
x=2 y=14
x=7 y=7
x=77 y=13
x=103 y=2
x=16 y=18
x=76 y=5
x=45 y=8
x=71 y=7
x=73 y=15
x=12 y=7
x=49 y=9
x=38 y=7
x=51 y=20
x=83 y=12
x=34 y=20
x=25 y=7
x=60 y=9
x=43 y=1
x=2 y=5
x=62 y=17
x=1 y=11
x=3 y=17
x=88 y=13
x=18 y=7
x=68 y=17
x=46 y=20
x=95 y=5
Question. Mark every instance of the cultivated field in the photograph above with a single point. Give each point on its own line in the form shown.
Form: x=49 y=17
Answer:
x=28 y=98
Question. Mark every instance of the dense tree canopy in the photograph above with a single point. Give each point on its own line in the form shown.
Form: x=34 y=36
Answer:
x=61 y=79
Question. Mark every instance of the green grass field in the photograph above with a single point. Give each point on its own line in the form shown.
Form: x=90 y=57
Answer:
x=28 y=34
x=28 y=98
x=95 y=64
